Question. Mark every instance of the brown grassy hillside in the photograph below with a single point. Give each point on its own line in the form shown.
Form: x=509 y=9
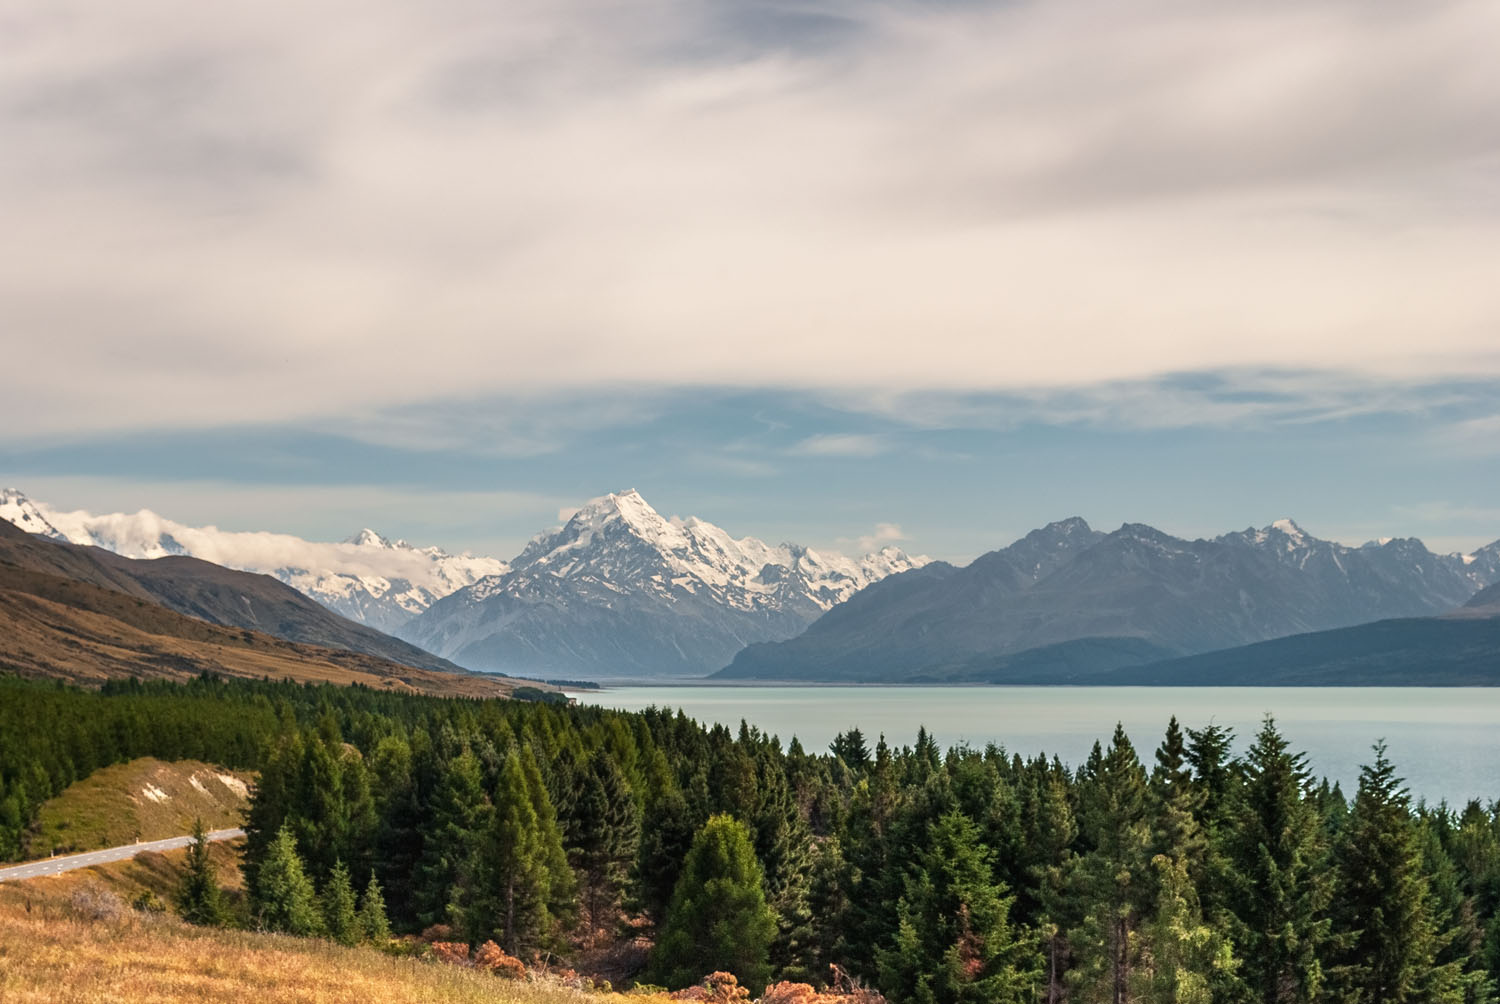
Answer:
x=57 y=627
x=206 y=591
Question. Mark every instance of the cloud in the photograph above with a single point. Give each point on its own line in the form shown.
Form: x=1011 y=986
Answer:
x=1478 y=436
x=883 y=535
x=327 y=210
x=839 y=444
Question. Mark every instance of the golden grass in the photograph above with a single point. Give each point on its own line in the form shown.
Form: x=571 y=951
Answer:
x=51 y=953
x=145 y=799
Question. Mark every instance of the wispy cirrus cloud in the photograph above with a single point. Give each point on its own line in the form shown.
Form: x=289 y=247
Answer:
x=841 y=444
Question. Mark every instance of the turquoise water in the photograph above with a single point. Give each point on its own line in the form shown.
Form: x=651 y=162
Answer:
x=1444 y=741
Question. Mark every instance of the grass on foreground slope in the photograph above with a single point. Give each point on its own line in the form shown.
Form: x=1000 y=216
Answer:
x=145 y=799
x=54 y=949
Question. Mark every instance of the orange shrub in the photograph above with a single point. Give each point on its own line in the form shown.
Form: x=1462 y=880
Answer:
x=492 y=957
x=453 y=952
x=791 y=993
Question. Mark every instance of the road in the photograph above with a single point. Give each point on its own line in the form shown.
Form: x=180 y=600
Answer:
x=68 y=862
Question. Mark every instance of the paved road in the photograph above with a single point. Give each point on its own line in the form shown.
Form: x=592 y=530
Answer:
x=53 y=866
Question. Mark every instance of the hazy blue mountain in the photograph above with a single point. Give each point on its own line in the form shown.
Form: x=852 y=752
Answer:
x=1067 y=602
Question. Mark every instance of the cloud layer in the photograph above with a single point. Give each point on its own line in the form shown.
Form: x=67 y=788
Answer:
x=284 y=210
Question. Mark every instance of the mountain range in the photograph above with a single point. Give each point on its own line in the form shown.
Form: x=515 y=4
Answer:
x=86 y=615
x=1067 y=602
x=366 y=578
x=621 y=591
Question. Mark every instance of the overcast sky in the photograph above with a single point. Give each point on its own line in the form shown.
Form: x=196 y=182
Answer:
x=837 y=272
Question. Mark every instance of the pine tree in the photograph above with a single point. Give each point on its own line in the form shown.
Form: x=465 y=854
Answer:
x=284 y=895
x=1384 y=914
x=1282 y=885
x=664 y=846
x=516 y=892
x=954 y=943
x=1183 y=959
x=339 y=918
x=718 y=919
x=372 y=923
x=460 y=815
x=198 y=896
x=607 y=833
x=1112 y=879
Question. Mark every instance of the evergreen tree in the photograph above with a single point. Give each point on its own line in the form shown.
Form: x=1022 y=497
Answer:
x=515 y=891
x=718 y=919
x=198 y=896
x=664 y=845
x=372 y=923
x=1184 y=959
x=1388 y=944
x=1282 y=884
x=339 y=917
x=460 y=815
x=954 y=943
x=1113 y=878
x=606 y=841
x=284 y=895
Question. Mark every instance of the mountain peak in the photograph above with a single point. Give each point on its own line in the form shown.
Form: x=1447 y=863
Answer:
x=1289 y=527
x=17 y=509
x=368 y=538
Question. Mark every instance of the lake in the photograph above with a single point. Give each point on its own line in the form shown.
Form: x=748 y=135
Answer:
x=1444 y=741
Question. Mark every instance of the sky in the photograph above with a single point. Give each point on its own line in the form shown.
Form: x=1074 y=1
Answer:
x=916 y=272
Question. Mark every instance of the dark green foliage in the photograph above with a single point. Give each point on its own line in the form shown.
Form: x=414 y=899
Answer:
x=718 y=920
x=506 y=897
x=605 y=834
x=339 y=917
x=284 y=896
x=1387 y=945
x=199 y=898
x=954 y=943
x=371 y=921
x=1282 y=881
x=457 y=820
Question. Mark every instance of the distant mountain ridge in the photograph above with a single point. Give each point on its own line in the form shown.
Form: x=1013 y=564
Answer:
x=366 y=577
x=1071 y=601
x=84 y=613
x=621 y=590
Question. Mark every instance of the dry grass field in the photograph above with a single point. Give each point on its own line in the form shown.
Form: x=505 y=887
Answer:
x=90 y=950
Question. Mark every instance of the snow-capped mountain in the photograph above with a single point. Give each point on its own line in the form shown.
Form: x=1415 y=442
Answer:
x=623 y=591
x=367 y=578
x=1066 y=601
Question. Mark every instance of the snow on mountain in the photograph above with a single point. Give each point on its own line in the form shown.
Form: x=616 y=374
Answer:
x=366 y=578
x=621 y=590
x=21 y=511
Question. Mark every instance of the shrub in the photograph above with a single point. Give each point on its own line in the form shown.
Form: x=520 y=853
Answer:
x=492 y=957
